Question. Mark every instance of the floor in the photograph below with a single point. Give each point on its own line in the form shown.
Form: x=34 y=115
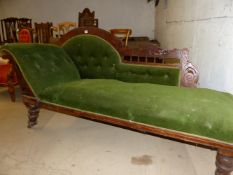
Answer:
x=65 y=145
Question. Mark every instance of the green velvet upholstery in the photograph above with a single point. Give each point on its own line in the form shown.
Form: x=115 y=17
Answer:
x=96 y=58
x=43 y=65
x=106 y=88
x=202 y=112
x=147 y=74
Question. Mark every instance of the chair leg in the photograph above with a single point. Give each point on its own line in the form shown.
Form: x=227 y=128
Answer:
x=10 y=84
x=224 y=162
x=33 y=113
x=11 y=91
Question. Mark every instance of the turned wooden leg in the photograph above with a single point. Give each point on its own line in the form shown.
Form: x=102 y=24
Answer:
x=33 y=113
x=224 y=163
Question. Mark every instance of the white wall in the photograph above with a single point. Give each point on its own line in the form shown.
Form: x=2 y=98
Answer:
x=206 y=28
x=135 y=14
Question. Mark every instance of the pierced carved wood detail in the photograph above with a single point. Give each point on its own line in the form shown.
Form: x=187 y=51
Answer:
x=224 y=164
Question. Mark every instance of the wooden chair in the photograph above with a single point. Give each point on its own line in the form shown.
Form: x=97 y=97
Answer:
x=64 y=27
x=9 y=29
x=87 y=19
x=8 y=77
x=43 y=32
x=123 y=34
x=4 y=70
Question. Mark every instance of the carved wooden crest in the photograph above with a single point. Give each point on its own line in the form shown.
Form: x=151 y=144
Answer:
x=87 y=18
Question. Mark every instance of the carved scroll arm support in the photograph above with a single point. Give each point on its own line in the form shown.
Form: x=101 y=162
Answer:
x=189 y=73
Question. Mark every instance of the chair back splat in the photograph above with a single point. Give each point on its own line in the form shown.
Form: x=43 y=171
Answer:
x=43 y=32
x=9 y=29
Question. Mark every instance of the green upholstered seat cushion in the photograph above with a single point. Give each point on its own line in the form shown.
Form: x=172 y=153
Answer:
x=43 y=65
x=202 y=112
x=96 y=58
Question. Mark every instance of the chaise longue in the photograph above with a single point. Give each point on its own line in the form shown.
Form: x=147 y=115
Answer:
x=86 y=76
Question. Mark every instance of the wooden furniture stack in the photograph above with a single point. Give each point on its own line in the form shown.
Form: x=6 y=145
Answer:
x=10 y=27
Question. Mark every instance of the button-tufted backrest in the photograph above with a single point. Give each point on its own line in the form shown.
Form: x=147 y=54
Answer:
x=96 y=58
x=93 y=56
x=148 y=74
x=42 y=65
